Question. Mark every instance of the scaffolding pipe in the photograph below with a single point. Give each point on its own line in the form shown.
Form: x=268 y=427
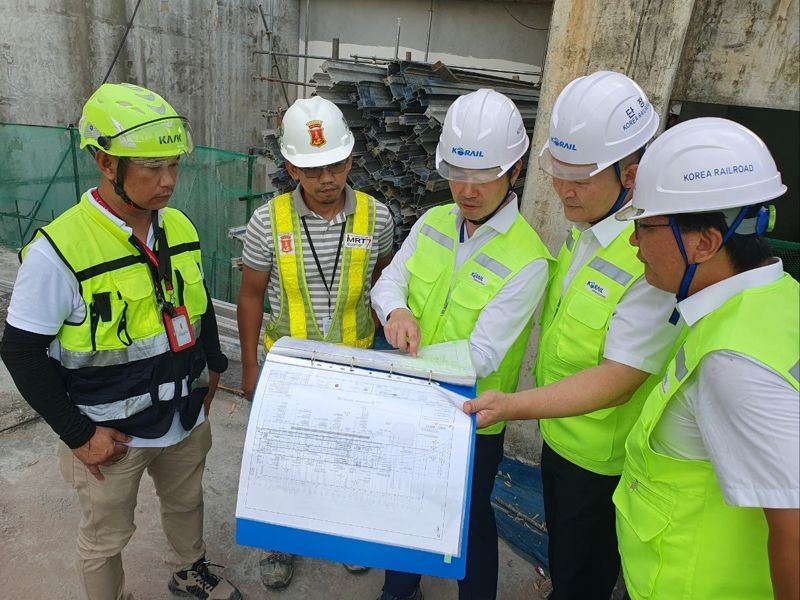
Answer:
x=397 y=41
x=335 y=49
x=358 y=57
x=305 y=46
x=430 y=25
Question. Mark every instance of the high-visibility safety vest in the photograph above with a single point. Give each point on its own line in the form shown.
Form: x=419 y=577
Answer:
x=677 y=537
x=447 y=304
x=117 y=363
x=351 y=322
x=572 y=338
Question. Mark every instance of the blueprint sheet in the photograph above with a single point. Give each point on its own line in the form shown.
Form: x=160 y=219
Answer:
x=356 y=453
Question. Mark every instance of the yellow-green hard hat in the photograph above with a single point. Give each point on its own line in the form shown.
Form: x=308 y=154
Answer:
x=123 y=119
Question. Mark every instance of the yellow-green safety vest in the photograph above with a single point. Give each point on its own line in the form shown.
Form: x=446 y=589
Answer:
x=572 y=339
x=678 y=538
x=447 y=304
x=117 y=363
x=351 y=323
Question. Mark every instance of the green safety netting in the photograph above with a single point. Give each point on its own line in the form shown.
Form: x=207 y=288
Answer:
x=43 y=172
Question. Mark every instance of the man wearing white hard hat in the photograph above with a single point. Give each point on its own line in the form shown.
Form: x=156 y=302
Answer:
x=473 y=270
x=315 y=252
x=708 y=506
x=605 y=333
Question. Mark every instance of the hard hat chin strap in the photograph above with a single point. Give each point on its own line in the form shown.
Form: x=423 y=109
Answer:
x=623 y=193
x=691 y=268
x=119 y=184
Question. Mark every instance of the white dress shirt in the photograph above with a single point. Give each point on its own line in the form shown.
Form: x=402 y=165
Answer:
x=736 y=412
x=502 y=320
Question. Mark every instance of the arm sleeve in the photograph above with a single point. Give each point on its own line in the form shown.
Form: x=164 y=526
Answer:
x=640 y=334
x=209 y=336
x=36 y=376
x=748 y=416
x=257 y=251
x=385 y=227
x=391 y=290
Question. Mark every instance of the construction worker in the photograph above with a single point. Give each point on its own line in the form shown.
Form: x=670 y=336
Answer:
x=315 y=252
x=604 y=331
x=111 y=338
x=473 y=270
x=708 y=506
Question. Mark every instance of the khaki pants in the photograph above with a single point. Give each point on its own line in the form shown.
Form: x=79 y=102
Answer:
x=107 y=508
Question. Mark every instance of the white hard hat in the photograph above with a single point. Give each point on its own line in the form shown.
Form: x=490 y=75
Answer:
x=314 y=133
x=482 y=137
x=596 y=121
x=703 y=165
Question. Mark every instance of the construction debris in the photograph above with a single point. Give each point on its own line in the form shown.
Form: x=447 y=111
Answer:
x=396 y=111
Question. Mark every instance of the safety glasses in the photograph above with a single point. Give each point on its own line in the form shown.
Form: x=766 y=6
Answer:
x=561 y=170
x=315 y=172
x=156 y=163
x=462 y=175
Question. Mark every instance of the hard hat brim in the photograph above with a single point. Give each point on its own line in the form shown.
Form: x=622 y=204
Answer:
x=462 y=175
x=561 y=170
x=319 y=159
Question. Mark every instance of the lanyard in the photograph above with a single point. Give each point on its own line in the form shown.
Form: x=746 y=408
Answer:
x=160 y=267
x=328 y=288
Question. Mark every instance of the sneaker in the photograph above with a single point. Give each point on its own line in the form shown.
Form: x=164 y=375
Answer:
x=276 y=569
x=417 y=595
x=355 y=569
x=198 y=582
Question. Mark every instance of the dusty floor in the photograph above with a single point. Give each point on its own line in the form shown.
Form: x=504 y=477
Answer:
x=39 y=515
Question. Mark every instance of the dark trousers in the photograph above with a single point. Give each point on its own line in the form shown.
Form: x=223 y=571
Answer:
x=480 y=582
x=582 y=551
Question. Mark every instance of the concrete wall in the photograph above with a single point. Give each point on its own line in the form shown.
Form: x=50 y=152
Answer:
x=197 y=53
x=743 y=54
x=469 y=33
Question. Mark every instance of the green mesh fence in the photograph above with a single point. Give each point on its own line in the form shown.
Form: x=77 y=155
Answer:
x=43 y=173
x=789 y=253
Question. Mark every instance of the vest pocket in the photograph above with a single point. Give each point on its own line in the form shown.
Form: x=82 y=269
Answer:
x=188 y=282
x=422 y=279
x=583 y=331
x=135 y=314
x=642 y=518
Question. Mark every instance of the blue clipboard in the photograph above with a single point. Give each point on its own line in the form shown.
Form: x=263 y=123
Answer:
x=358 y=552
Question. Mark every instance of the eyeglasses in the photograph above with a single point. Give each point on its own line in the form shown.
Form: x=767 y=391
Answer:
x=315 y=172
x=637 y=225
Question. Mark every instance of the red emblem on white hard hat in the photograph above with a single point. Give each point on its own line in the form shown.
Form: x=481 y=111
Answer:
x=316 y=133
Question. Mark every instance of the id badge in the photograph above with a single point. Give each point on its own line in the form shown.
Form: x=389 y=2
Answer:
x=179 y=329
x=326 y=326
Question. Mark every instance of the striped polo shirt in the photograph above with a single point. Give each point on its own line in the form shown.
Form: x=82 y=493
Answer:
x=259 y=251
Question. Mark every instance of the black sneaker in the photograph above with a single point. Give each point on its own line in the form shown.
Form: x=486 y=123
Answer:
x=417 y=595
x=198 y=582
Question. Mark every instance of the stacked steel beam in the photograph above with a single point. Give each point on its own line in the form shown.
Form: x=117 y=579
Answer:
x=396 y=111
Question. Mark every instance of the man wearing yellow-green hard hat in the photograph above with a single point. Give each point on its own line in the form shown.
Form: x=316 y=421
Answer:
x=111 y=338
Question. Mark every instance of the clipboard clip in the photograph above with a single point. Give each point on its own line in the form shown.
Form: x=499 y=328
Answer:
x=352 y=359
x=391 y=369
x=313 y=357
x=430 y=377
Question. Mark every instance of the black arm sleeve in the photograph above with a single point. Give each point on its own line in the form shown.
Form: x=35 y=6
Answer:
x=37 y=378
x=209 y=336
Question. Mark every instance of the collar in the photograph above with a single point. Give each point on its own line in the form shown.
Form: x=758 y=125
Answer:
x=113 y=218
x=706 y=301
x=302 y=209
x=502 y=220
x=605 y=231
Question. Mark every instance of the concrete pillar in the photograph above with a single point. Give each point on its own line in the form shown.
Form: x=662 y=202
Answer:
x=640 y=38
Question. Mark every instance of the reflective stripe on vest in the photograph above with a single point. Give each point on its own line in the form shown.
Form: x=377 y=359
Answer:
x=114 y=359
x=677 y=536
x=573 y=331
x=351 y=322
x=447 y=304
